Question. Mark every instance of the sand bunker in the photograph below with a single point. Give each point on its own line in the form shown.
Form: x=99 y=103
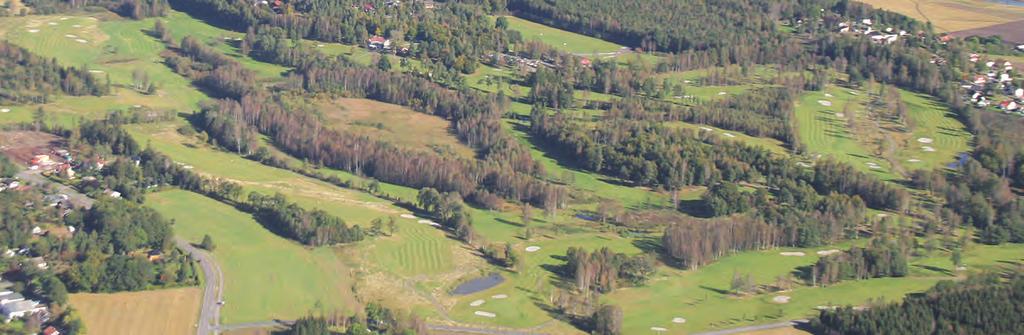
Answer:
x=722 y=93
x=825 y=103
x=63 y=18
x=840 y=115
x=52 y=23
x=706 y=129
x=873 y=165
x=782 y=299
x=851 y=92
x=802 y=164
x=485 y=314
x=913 y=160
x=33 y=31
x=532 y=248
x=678 y=320
x=5 y=110
x=823 y=308
x=881 y=215
x=70 y=36
x=828 y=95
x=429 y=222
x=928 y=149
x=476 y=303
x=792 y=253
x=827 y=252
x=95 y=71
x=407 y=216
x=81 y=41
x=659 y=329
x=925 y=140
x=728 y=135
x=76 y=25
x=499 y=296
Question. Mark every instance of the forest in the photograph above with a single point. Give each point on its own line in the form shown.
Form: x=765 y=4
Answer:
x=28 y=78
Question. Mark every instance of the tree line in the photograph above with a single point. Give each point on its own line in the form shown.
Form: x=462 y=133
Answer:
x=29 y=78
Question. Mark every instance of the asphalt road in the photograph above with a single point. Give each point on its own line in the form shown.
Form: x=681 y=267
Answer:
x=78 y=199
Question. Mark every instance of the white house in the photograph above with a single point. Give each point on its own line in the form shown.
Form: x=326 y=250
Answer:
x=20 y=309
x=10 y=297
x=1020 y=47
x=1019 y=93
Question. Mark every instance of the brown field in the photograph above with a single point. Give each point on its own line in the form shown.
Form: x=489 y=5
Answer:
x=953 y=15
x=170 y=311
x=395 y=124
x=1011 y=32
x=20 y=146
x=778 y=331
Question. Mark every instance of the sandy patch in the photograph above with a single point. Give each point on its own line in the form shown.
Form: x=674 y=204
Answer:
x=827 y=252
x=52 y=23
x=706 y=129
x=499 y=296
x=485 y=314
x=722 y=93
x=33 y=31
x=81 y=41
x=792 y=253
x=70 y=36
x=532 y=248
x=678 y=320
x=840 y=115
x=828 y=95
x=782 y=299
x=928 y=149
x=873 y=165
x=802 y=164
x=728 y=135
x=476 y=303
x=407 y=216
x=429 y=222
x=63 y=18
x=5 y=110
x=659 y=329
x=925 y=140
x=851 y=92
x=95 y=71
x=913 y=160
x=76 y=25
x=881 y=215
x=825 y=103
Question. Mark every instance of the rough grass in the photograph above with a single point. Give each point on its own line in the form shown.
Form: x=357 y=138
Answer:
x=265 y=276
x=560 y=39
x=771 y=144
x=953 y=15
x=352 y=206
x=169 y=311
x=395 y=124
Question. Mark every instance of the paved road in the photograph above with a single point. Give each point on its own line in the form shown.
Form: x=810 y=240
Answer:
x=748 y=329
x=213 y=291
x=209 y=314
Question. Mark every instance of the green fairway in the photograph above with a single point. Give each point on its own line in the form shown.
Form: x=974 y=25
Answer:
x=561 y=39
x=771 y=144
x=417 y=249
x=265 y=276
x=937 y=126
x=352 y=206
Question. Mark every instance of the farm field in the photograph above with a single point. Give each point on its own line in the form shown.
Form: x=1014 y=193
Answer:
x=395 y=124
x=265 y=275
x=168 y=311
x=953 y=15
x=353 y=206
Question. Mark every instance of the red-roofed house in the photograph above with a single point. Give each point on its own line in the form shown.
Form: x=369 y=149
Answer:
x=377 y=42
x=585 y=62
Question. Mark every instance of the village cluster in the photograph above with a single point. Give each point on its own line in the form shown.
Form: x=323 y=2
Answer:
x=995 y=86
x=866 y=28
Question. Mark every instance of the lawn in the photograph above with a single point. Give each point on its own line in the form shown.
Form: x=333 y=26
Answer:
x=353 y=206
x=168 y=311
x=265 y=276
x=953 y=15
x=934 y=122
x=561 y=39
x=416 y=249
x=394 y=124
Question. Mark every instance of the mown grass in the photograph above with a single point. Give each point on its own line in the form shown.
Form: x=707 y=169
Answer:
x=416 y=249
x=265 y=276
x=560 y=39
x=932 y=121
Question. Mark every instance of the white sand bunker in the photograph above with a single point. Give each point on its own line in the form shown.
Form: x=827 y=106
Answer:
x=792 y=253
x=913 y=160
x=706 y=129
x=659 y=329
x=532 y=248
x=429 y=222
x=827 y=252
x=782 y=299
x=824 y=308
x=802 y=164
x=851 y=92
x=95 y=71
x=881 y=215
x=5 y=110
x=485 y=314
x=925 y=140
x=52 y=23
x=499 y=296
x=873 y=165
x=678 y=320
x=33 y=31
x=63 y=18
x=81 y=41
x=825 y=103
x=928 y=149
x=70 y=36
x=407 y=216
x=828 y=95
x=76 y=25
x=722 y=93
x=476 y=303
x=840 y=115
x=728 y=135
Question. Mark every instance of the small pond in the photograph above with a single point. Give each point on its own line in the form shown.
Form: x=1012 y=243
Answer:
x=479 y=284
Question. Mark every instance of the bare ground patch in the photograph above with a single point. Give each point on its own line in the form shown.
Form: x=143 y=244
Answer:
x=395 y=124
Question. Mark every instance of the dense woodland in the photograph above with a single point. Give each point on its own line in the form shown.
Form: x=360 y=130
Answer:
x=28 y=78
x=987 y=304
x=136 y=9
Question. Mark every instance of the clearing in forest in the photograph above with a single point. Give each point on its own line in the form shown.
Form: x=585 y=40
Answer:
x=168 y=311
x=563 y=40
x=265 y=276
x=396 y=124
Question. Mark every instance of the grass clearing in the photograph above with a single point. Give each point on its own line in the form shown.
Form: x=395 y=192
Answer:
x=169 y=311
x=953 y=15
x=265 y=276
x=561 y=39
x=395 y=124
x=771 y=144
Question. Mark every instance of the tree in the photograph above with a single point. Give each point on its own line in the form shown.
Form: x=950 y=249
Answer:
x=392 y=226
x=527 y=215
x=608 y=320
x=384 y=64
x=511 y=257
x=608 y=209
x=957 y=259
x=207 y=243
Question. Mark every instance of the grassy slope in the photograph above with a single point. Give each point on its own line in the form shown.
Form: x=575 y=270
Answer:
x=170 y=311
x=265 y=276
x=560 y=39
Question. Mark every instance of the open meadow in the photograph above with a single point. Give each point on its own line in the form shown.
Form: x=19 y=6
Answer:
x=168 y=311
x=265 y=276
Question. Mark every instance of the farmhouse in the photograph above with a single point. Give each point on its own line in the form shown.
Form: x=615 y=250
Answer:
x=377 y=42
x=51 y=331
